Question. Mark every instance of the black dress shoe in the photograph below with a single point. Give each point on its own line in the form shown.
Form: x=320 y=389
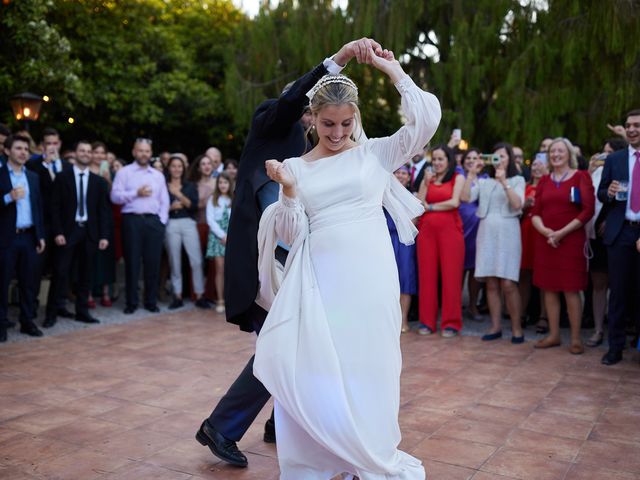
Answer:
x=129 y=309
x=86 y=319
x=612 y=357
x=152 y=308
x=269 y=432
x=202 y=303
x=64 y=313
x=220 y=446
x=49 y=322
x=176 y=303
x=31 y=329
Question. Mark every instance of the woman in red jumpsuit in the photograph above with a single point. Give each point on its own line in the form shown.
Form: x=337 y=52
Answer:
x=564 y=203
x=440 y=245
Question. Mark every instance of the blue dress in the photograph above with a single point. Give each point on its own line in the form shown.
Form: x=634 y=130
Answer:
x=405 y=259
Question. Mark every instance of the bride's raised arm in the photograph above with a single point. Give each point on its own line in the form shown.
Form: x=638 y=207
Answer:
x=422 y=113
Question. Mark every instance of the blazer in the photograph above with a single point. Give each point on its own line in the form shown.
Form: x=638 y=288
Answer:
x=275 y=133
x=64 y=204
x=616 y=167
x=46 y=187
x=483 y=189
x=8 y=212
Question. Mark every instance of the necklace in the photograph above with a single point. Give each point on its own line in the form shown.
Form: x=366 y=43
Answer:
x=558 y=182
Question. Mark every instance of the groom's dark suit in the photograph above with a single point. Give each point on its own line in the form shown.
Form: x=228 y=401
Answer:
x=275 y=133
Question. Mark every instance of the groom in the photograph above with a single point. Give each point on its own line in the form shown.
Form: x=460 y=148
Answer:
x=276 y=132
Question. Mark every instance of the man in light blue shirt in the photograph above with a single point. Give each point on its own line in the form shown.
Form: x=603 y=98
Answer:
x=21 y=234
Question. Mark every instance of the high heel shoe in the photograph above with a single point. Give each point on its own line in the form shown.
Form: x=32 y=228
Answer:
x=595 y=339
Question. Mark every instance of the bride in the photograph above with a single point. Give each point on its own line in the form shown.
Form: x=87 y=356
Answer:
x=329 y=351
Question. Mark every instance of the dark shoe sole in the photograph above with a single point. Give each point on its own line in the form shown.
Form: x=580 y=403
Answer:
x=204 y=441
x=269 y=438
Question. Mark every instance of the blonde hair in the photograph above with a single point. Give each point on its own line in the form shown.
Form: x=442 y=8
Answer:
x=338 y=90
x=573 y=158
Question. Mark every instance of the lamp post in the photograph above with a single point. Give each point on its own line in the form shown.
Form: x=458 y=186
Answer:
x=26 y=106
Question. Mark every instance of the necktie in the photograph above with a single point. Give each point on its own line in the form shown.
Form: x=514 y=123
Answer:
x=635 y=184
x=81 y=201
x=413 y=174
x=52 y=174
x=53 y=167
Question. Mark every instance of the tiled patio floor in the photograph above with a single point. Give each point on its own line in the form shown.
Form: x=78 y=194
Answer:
x=124 y=401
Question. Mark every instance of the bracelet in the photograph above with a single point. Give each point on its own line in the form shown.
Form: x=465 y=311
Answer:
x=430 y=208
x=507 y=187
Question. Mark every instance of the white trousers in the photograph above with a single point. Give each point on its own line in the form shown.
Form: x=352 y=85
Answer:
x=184 y=232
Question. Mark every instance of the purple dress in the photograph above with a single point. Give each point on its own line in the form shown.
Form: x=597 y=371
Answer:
x=470 y=223
x=405 y=259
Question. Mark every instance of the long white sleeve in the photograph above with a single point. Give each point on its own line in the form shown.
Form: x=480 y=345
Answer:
x=422 y=112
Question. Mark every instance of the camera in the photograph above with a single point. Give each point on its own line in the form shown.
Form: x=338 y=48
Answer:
x=492 y=159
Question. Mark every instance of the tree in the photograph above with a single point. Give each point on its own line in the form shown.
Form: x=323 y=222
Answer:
x=35 y=55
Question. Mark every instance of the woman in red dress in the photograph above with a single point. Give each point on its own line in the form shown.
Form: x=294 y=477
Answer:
x=539 y=168
x=440 y=245
x=564 y=203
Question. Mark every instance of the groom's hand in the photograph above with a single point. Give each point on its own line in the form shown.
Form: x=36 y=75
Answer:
x=361 y=49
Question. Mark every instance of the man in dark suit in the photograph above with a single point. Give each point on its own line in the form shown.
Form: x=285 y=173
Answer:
x=619 y=191
x=276 y=133
x=48 y=166
x=79 y=223
x=21 y=233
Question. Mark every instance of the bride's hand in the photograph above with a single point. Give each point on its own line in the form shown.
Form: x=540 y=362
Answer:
x=279 y=174
x=385 y=62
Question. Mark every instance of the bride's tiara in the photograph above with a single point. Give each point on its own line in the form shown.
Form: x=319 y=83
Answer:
x=328 y=79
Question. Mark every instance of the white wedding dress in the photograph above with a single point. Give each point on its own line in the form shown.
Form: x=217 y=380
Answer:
x=329 y=351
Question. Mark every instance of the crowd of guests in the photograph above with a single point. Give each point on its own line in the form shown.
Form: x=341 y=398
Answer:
x=69 y=216
x=552 y=239
x=538 y=241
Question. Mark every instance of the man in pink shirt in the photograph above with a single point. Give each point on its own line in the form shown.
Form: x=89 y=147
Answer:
x=142 y=192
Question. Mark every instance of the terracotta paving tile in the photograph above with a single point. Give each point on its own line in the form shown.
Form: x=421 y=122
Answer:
x=589 y=472
x=490 y=476
x=410 y=439
x=136 y=444
x=15 y=473
x=85 y=431
x=583 y=410
x=515 y=396
x=619 y=416
x=525 y=466
x=41 y=421
x=135 y=391
x=558 y=425
x=422 y=420
x=476 y=431
x=454 y=452
x=555 y=448
x=21 y=449
x=628 y=433
x=140 y=470
x=176 y=424
x=134 y=415
x=53 y=397
x=6 y=434
x=93 y=405
x=489 y=413
x=83 y=464
x=609 y=455
x=444 y=471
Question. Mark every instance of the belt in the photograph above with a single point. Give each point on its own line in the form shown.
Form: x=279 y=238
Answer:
x=23 y=230
x=142 y=214
x=632 y=223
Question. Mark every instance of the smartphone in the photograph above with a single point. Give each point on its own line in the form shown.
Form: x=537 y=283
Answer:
x=457 y=133
x=490 y=159
x=541 y=156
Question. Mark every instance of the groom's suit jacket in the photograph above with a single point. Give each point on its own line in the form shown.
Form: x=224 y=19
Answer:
x=275 y=133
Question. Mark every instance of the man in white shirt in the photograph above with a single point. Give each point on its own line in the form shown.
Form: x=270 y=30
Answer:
x=619 y=191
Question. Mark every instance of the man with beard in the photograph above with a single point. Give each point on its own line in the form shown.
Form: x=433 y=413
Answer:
x=79 y=222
